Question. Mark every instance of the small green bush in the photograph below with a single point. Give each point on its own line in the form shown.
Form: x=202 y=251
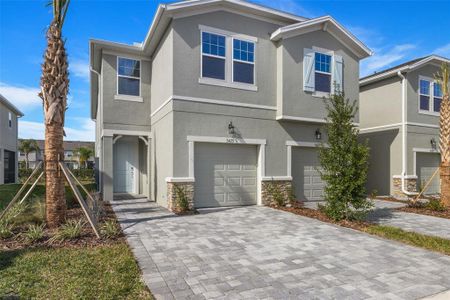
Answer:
x=83 y=174
x=72 y=229
x=110 y=229
x=182 y=200
x=34 y=233
x=436 y=205
x=5 y=231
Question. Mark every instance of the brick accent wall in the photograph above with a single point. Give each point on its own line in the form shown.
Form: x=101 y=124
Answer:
x=270 y=188
x=173 y=197
x=410 y=183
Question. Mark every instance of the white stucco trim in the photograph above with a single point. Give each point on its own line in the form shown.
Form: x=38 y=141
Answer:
x=229 y=33
x=261 y=160
x=381 y=128
x=277 y=178
x=180 y=179
x=301 y=119
x=112 y=132
x=119 y=97
x=406 y=177
x=421 y=150
x=228 y=84
x=303 y=144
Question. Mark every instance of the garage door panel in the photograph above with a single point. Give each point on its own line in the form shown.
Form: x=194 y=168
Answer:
x=233 y=169
x=307 y=181
x=426 y=166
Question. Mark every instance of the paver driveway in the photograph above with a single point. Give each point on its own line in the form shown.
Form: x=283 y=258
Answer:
x=258 y=252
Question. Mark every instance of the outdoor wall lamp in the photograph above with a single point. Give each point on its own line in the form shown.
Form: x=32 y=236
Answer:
x=318 y=134
x=433 y=143
x=231 y=128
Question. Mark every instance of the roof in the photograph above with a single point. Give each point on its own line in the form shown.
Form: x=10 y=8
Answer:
x=404 y=67
x=68 y=145
x=325 y=23
x=11 y=106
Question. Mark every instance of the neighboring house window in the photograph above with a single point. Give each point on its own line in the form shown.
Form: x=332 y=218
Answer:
x=322 y=72
x=128 y=76
x=22 y=153
x=430 y=96
x=243 y=61
x=227 y=59
x=322 y=63
x=213 y=56
x=9 y=119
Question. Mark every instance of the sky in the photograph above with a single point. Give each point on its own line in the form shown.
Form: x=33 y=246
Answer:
x=396 y=31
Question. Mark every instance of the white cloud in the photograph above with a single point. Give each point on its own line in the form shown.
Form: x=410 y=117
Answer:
x=24 y=97
x=443 y=51
x=84 y=131
x=79 y=68
x=385 y=58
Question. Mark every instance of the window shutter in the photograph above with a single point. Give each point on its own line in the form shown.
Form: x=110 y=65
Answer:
x=308 y=70
x=337 y=73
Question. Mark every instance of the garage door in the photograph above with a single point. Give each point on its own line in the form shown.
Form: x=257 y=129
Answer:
x=225 y=175
x=308 y=185
x=427 y=164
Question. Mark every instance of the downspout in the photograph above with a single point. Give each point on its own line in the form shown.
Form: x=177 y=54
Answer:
x=100 y=163
x=404 y=135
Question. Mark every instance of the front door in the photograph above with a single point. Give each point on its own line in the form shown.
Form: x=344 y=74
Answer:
x=126 y=165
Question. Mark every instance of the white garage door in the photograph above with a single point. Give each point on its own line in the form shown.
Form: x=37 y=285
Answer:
x=225 y=175
x=308 y=185
x=427 y=164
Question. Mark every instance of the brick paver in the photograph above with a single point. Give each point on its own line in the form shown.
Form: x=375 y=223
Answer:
x=258 y=252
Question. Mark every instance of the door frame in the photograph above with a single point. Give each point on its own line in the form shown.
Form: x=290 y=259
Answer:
x=137 y=170
x=422 y=150
x=261 y=160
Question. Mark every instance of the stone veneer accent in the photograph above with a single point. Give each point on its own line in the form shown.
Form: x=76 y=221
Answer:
x=284 y=187
x=187 y=188
x=411 y=186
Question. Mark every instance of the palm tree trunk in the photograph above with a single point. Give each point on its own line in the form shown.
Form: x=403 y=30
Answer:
x=54 y=177
x=445 y=150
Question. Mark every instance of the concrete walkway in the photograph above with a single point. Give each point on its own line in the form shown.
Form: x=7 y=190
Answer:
x=258 y=252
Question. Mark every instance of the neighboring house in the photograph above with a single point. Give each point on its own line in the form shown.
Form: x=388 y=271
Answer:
x=70 y=157
x=222 y=98
x=399 y=114
x=9 y=116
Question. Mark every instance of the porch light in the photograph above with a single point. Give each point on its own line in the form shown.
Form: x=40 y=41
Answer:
x=318 y=134
x=231 y=128
x=433 y=143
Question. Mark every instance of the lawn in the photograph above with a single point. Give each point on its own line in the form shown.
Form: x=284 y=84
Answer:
x=102 y=272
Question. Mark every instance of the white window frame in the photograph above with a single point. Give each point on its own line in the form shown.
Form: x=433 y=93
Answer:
x=317 y=93
x=430 y=110
x=125 y=97
x=229 y=59
x=10 y=119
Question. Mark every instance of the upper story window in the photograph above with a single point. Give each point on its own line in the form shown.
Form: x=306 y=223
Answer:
x=128 y=77
x=322 y=71
x=228 y=59
x=213 y=56
x=430 y=96
x=322 y=63
x=9 y=119
x=243 y=61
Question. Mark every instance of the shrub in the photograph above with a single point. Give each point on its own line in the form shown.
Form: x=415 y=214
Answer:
x=24 y=173
x=5 y=231
x=182 y=200
x=72 y=229
x=373 y=194
x=110 y=229
x=344 y=163
x=34 y=233
x=436 y=205
x=83 y=174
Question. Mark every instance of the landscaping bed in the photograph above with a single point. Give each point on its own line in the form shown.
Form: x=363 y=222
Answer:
x=411 y=238
x=426 y=211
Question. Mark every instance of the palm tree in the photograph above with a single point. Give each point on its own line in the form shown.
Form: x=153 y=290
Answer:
x=444 y=138
x=54 y=90
x=83 y=154
x=28 y=146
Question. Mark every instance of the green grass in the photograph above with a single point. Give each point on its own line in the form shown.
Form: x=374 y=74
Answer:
x=411 y=238
x=103 y=272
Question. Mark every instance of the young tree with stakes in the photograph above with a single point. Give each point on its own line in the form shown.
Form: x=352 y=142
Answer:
x=54 y=90
x=344 y=162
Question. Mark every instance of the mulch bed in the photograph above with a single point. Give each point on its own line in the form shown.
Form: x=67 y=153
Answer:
x=299 y=209
x=87 y=239
x=425 y=211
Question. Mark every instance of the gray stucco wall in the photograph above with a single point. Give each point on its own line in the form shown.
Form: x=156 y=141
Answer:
x=117 y=112
x=187 y=58
x=295 y=101
x=382 y=98
x=413 y=95
x=8 y=137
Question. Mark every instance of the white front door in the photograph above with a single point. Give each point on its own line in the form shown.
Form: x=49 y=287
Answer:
x=126 y=165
